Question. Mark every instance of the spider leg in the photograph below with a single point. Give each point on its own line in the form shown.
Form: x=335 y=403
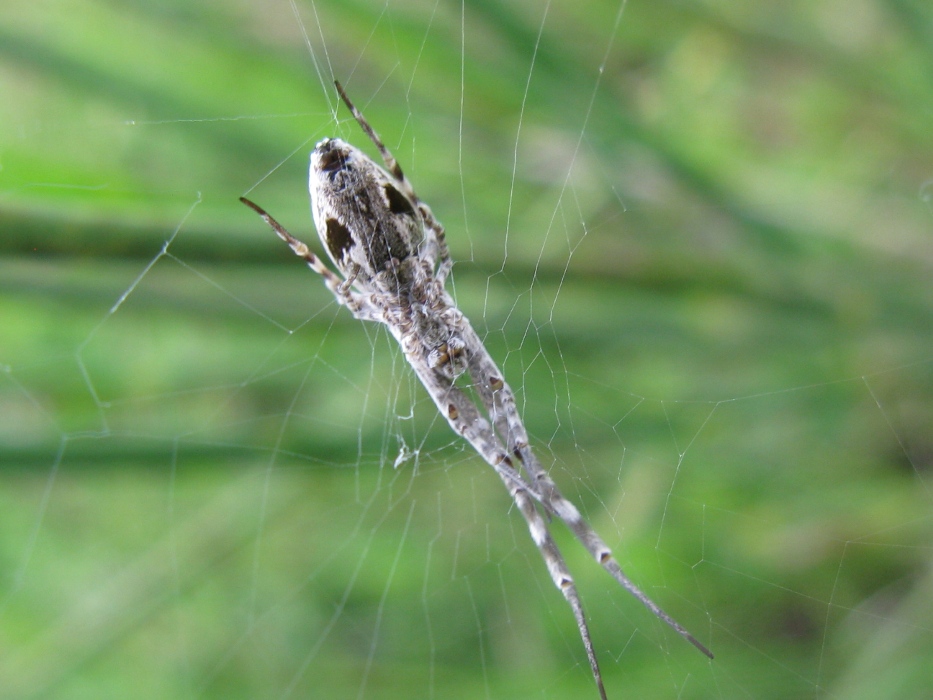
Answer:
x=465 y=418
x=593 y=543
x=440 y=241
x=559 y=572
x=359 y=304
x=391 y=164
x=499 y=402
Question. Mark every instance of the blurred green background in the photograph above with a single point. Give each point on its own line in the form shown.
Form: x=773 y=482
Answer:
x=696 y=234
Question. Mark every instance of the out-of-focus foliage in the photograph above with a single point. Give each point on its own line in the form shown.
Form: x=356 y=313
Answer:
x=698 y=235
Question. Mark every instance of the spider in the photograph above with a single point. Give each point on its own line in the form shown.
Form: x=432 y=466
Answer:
x=392 y=254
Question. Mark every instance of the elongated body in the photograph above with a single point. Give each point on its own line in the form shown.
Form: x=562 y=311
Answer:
x=393 y=257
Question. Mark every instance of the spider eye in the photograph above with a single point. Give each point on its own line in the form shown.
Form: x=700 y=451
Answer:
x=398 y=203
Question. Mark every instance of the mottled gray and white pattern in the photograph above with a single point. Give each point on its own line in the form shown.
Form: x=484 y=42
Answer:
x=394 y=260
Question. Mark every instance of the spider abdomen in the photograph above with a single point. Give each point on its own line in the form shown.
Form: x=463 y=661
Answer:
x=370 y=228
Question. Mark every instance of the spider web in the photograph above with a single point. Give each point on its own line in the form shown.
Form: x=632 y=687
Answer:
x=700 y=251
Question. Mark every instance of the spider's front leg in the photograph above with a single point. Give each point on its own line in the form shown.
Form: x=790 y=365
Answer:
x=465 y=418
x=499 y=403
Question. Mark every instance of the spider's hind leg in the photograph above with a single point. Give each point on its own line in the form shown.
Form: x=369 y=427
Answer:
x=359 y=304
x=431 y=224
x=391 y=164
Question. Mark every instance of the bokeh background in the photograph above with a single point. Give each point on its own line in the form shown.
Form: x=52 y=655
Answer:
x=698 y=235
